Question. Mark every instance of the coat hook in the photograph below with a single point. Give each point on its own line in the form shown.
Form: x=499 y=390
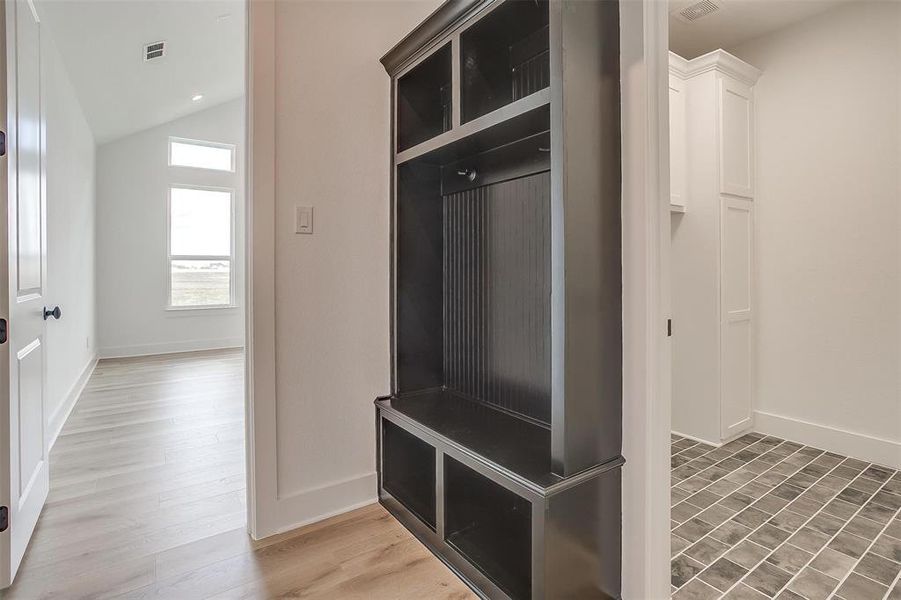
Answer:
x=469 y=174
x=542 y=149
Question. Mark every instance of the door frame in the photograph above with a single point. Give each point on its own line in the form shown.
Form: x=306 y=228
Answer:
x=259 y=286
x=647 y=359
x=259 y=269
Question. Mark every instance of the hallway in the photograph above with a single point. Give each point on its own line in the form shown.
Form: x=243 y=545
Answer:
x=147 y=500
x=151 y=459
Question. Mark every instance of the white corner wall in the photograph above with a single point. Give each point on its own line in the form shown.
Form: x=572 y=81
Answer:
x=331 y=131
x=828 y=230
x=70 y=161
x=132 y=190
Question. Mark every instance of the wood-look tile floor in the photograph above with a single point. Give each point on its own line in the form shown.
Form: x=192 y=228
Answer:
x=147 y=500
x=762 y=518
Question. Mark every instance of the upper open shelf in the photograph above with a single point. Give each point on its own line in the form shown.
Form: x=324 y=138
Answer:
x=504 y=57
x=424 y=100
x=504 y=70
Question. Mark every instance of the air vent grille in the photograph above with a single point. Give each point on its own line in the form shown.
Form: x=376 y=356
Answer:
x=695 y=11
x=154 y=50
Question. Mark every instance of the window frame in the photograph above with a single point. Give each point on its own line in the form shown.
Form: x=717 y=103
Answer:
x=232 y=148
x=232 y=302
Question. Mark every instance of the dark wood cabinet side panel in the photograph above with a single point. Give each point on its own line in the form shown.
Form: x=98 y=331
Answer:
x=586 y=234
x=582 y=540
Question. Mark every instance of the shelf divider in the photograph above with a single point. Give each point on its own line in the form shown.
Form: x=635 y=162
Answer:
x=505 y=113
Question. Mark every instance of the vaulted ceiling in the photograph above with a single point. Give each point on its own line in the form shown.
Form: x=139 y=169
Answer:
x=101 y=43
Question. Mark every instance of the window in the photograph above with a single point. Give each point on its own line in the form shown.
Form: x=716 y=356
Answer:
x=201 y=155
x=201 y=255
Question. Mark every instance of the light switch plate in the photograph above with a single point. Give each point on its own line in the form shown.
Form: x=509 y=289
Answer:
x=303 y=219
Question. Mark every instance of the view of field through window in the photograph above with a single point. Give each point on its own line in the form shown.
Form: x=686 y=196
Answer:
x=201 y=282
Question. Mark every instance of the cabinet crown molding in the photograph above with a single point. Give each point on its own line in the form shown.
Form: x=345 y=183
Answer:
x=427 y=34
x=718 y=60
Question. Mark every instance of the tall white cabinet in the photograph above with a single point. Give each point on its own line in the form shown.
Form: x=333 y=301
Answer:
x=712 y=208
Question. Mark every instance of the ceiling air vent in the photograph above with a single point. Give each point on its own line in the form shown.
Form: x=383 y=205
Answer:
x=154 y=51
x=698 y=10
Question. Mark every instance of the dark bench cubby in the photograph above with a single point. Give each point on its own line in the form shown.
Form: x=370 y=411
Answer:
x=511 y=529
x=490 y=526
x=408 y=471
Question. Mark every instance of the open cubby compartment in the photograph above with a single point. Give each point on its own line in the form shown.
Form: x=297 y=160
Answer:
x=490 y=526
x=408 y=471
x=424 y=100
x=504 y=56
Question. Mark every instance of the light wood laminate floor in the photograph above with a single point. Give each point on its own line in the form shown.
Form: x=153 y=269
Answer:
x=147 y=500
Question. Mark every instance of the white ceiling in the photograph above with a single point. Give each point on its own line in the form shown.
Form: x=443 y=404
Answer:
x=101 y=43
x=736 y=22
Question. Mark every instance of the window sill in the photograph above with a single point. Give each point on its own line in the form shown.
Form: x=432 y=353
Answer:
x=193 y=310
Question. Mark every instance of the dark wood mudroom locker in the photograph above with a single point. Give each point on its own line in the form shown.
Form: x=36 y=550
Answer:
x=499 y=446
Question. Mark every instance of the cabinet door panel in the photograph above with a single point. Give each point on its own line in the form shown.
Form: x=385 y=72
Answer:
x=737 y=251
x=736 y=132
x=737 y=401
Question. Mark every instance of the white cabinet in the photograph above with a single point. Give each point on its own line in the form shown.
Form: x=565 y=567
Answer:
x=712 y=173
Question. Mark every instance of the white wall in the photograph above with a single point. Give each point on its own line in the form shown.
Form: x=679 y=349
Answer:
x=132 y=190
x=331 y=132
x=829 y=275
x=70 y=160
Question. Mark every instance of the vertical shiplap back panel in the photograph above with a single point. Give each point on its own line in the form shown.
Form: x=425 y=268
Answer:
x=497 y=294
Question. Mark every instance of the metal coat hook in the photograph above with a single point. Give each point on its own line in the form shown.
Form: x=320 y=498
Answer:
x=469 y=174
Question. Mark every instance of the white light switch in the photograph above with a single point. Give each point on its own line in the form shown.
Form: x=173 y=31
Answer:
x=303 y=219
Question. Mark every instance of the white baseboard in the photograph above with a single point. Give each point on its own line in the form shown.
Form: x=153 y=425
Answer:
x=697 y=439
x=312 y=505
x=849 y=443
x=58 y=419
x=170 y=347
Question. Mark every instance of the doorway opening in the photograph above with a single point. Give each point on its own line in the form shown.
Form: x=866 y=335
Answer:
x=786 y=425
x=127 y=165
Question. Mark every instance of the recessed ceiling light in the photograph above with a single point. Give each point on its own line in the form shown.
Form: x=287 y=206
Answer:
x=197 y=97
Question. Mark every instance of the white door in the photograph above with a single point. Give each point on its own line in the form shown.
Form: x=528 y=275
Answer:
x=27 y=480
